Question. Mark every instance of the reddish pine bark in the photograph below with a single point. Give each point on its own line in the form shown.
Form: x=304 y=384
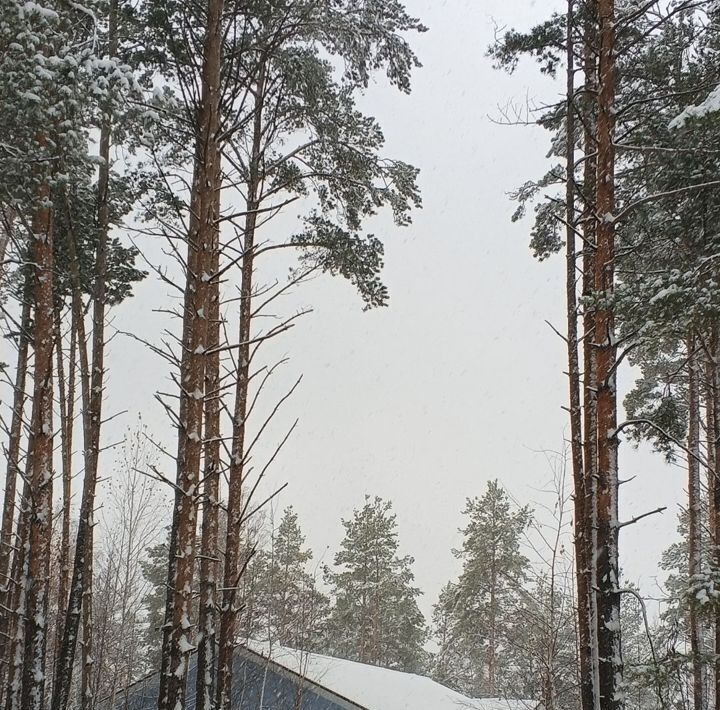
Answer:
x=608 y=622
x=209 y=566
x=586 y=586
x=177 y=636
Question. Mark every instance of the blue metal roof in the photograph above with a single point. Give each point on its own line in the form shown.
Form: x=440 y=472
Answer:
x=258 y=684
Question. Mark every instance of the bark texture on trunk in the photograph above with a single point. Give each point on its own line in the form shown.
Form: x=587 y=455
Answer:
x=712 y=445
x=209 y=563
x=608 y=623
x=177 y=633
x=588 y=647
x=66 y=397
x=576 y=432
x=37 y=582
x=714 y=492
x=64 y=663
x=233 y=562
x=17 y=604
x=710 y=434
x=695 y=517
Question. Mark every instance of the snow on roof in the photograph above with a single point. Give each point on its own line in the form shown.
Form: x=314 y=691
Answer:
x=378 y=688
x=504 y=704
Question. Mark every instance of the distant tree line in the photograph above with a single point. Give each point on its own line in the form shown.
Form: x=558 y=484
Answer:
x=504 y=628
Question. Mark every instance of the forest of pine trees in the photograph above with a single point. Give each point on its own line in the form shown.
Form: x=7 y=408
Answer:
x=193 y=142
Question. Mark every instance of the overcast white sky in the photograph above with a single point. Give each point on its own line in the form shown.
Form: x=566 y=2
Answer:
x=459 y=380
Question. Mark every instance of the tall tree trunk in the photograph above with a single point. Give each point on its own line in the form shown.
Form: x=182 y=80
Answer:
x=714 y=522
x=17 y=598
x=41 y=473
x=80 y=599
x=65 y=662
x=7 y=541
x=710 y=433
x=711 y=444
x=233 y=564
x=209 y=567
x=177 y=632
x=576 y=433
x=695 y=517
x=589 y=680
x=97 y=380
x=66 y=392
x=609 y=642
x=492 y=640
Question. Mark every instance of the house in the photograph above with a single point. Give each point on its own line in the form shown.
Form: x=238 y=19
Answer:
x=280 y=678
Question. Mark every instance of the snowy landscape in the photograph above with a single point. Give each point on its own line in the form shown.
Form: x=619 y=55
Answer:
x=360 y=354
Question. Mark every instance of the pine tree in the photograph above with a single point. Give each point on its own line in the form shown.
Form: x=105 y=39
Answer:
x=686 y=593
x=154 y=569
x=475 y=617
x=448 y=665
x=200 y=237
x=44 y=70
x=375 y=618
x=277 y=89
x=93 y=264
x=645 y=198
x=294 y=608
x=337 y=172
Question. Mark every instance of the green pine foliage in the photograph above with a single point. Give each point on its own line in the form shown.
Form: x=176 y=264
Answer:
x=154 y=569
x=56 y=87
x=292 y=609
x=324 y=155
x=476 y=620
x=375 y=617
